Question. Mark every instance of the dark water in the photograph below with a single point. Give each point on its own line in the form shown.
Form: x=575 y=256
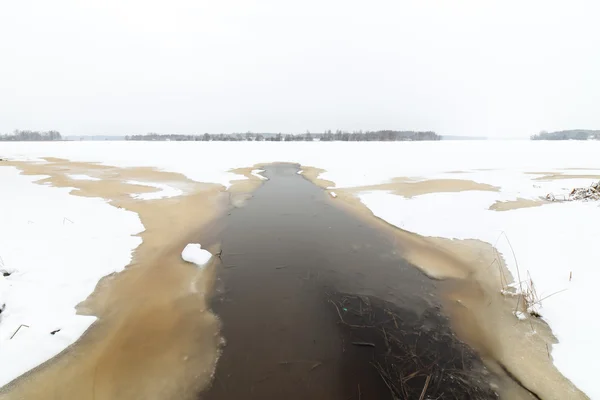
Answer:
x=315 y=304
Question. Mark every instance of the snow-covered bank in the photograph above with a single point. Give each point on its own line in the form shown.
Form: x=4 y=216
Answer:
x=57 y=246
x=555 y=244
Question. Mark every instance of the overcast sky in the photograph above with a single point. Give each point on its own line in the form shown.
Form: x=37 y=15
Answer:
x=115 y=67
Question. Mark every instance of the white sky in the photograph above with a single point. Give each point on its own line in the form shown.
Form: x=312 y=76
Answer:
x=493 y=68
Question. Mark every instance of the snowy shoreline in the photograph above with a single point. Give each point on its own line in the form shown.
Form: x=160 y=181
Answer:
x=551 y=242
x=550 y=245
x=56 y=247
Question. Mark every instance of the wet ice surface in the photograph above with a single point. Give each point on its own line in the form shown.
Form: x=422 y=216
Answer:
x=317 y=304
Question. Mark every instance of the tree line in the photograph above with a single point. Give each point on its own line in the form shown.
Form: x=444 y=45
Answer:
x=327 y=136
x=31 y=136
x=573 y=134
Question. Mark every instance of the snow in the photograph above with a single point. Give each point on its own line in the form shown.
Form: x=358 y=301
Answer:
x=57 y=246
x=257 y=173
x=80 y=177
x=164 y=192
x=551 y=242
x=347 y=163
x=195 y=254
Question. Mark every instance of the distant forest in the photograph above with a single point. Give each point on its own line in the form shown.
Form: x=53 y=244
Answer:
x=31 y=136
x=329 y=136
x=574 y=134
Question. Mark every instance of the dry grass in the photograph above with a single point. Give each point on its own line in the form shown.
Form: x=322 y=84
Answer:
x=416 y=356
x=591 y=193
x=528 y=300
x=525 y=289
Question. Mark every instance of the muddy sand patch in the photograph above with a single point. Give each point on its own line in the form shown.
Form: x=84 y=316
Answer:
x=517 y=204
x=155 y=337
x=410 y=188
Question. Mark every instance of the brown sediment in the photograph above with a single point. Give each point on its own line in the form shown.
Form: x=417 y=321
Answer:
x=241 y=189
x=551 y=176
x=404 y=186
x=312 y=174
x=409 y=188
x=516 y=204
x=155 y=337
x=481 y=316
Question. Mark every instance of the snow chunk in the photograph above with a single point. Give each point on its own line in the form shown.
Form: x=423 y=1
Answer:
x=195 y=254
x=257 y=173
x=81 y=177
x=164 y=192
